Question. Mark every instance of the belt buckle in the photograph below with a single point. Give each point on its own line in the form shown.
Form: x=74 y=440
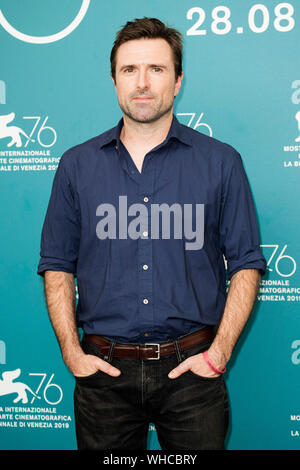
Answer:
x=157 y=352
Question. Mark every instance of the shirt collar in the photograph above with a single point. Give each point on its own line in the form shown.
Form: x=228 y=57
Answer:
x=177 y=131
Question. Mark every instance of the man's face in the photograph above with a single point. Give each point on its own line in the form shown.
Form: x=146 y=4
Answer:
x=145 y=79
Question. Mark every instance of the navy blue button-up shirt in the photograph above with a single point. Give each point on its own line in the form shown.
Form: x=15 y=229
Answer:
x=135 y=285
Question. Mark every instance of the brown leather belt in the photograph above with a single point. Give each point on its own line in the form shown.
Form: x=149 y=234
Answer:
x=150 y=350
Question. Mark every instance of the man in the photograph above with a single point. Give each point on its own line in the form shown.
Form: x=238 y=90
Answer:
x=158 y=329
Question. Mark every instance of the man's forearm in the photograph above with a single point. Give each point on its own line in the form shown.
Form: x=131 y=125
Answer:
x=61 y=299
x=240 y=300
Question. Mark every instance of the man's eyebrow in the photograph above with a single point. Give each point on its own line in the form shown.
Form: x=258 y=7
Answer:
x=123 y=67
x=126 y=66
x=158 y=65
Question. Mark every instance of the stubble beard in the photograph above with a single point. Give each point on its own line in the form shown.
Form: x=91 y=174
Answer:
x=143 y=113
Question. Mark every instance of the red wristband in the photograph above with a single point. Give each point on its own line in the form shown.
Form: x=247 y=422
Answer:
x=207 y=360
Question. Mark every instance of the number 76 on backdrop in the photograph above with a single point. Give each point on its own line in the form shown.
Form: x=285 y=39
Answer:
x=283 y=262
x=259 y=18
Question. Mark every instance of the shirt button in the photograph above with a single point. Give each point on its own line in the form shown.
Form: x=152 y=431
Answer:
x=146 y=334
x=146 y=199
x=145 y=266
x=145 y=301
x=145 y=234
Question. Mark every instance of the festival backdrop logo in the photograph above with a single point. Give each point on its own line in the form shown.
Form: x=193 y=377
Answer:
x=189 y=120
x=9 y=386
x=281 y=268
x=26 y=143
x=279 y=283
x=30 y=399
x=45 y=39
x=14 y=132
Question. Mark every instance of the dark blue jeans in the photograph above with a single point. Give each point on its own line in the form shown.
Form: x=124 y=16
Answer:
x=189 y=412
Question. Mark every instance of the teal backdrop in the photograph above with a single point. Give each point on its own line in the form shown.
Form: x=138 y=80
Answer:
x=242 y=86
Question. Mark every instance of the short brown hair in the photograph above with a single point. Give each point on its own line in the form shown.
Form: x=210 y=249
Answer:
x=150 y=28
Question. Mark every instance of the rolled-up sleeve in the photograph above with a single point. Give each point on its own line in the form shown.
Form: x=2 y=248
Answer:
x=61 y=229
x=239 y=235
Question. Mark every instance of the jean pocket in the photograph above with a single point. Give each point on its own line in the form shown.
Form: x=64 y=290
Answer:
x=88 y=377
x=202 y=377
x=193 y=351
x=91 y=349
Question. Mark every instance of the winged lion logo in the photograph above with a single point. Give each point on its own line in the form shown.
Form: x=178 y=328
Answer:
x=11 y=131
x=8 y=386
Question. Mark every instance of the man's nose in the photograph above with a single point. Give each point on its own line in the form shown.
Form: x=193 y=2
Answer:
x=142 y=80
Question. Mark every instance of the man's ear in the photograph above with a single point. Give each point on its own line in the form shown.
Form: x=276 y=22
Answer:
x=178 y=84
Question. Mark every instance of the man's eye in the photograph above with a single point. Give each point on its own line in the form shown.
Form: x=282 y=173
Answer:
x=156 y=69
x=129 y=69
